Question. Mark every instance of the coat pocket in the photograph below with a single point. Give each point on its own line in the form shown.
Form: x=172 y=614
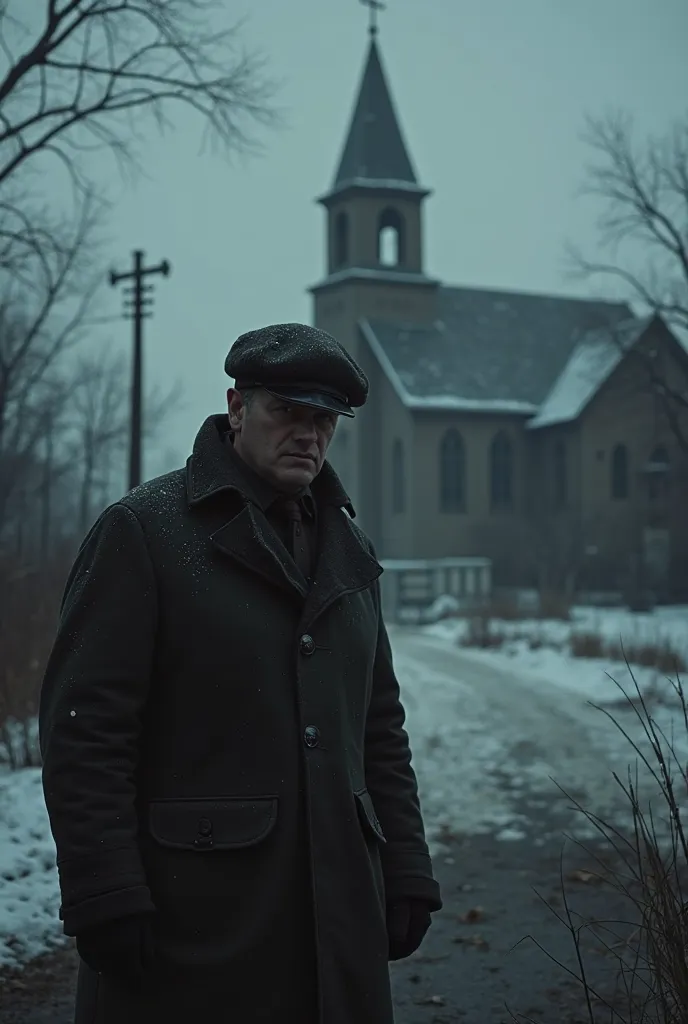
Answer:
x=211 y=824
x=367 y=815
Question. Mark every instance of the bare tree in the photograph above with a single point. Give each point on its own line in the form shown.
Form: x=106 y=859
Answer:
x=84 y=78
x=97 y=418
x=644 y=229
x=47 y=291
x=92 y=70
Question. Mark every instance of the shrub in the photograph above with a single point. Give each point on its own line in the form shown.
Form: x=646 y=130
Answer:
x=660 y=656
x=554 y=605
x=587 y=645
x=649 y=868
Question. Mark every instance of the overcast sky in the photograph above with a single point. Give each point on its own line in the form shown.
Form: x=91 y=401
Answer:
x=492 y=96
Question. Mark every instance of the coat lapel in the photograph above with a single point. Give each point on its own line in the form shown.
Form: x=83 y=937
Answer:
x=344 y=564
x=247 y=536
x=249 y=539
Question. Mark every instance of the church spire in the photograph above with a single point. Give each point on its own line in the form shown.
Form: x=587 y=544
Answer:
x=374 y=151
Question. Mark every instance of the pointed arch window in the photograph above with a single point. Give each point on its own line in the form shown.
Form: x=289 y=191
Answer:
x=620 y=472
x=398 y=478
x=341 y=239
x=452 y=472
x=391 y=238
x=560 y=474
x=501 y=472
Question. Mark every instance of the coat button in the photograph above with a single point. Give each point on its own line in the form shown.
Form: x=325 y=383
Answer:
x=205 y=827
x=311 y=736
x=307 y=644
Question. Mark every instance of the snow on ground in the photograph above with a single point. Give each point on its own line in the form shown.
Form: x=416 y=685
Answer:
x=536 y=666
x=29 y=896
x=540 y=649
x=489 y=729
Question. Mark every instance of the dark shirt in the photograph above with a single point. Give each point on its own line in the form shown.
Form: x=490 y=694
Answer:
x=267 y=498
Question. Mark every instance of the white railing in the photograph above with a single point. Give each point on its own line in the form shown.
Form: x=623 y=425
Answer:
x=410 y=587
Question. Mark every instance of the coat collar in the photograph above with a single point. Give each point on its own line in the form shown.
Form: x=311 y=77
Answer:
x=211 y=469
x=344 y=562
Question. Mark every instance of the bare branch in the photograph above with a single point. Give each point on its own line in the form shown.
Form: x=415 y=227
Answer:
x=644 y=191
x=95 y=60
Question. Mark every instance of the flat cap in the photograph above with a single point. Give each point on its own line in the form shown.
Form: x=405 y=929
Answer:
x=300 y=363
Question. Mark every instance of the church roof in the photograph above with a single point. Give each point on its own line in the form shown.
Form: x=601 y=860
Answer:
x=487 y=350
x=374 y=151
x=591 y=363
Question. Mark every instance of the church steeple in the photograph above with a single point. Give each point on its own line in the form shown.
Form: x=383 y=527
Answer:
x=374 y=150
x=375 y=202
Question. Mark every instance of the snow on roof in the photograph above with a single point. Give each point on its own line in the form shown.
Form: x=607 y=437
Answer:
x=487 y=350
x=447 y=403
x=388 y=184
x=453 y=402
x=375 y=274
x=591 y=363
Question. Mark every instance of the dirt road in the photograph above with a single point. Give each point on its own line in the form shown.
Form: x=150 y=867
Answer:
x=484 y=738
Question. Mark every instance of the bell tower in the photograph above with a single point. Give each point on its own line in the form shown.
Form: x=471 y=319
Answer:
x=374 y=266
x=374 y=205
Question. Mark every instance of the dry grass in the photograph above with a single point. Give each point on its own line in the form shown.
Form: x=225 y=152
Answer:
x=587 y=645
x=660 y=655
x=649 y=868
x=486 y=633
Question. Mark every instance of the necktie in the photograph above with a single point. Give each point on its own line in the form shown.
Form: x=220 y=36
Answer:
x=297 y=536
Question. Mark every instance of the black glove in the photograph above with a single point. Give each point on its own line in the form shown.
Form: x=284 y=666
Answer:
x=122 y=948
x=407 y=922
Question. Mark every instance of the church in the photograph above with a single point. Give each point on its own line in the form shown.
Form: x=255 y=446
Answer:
x=517 y=427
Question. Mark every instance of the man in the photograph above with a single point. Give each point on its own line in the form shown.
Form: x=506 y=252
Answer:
x=226 y=769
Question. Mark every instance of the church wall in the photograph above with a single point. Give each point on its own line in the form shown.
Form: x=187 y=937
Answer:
x=396 y=424
x=625 y=411
x=339 y=308
x=369 y=428
x=556 y=540
x=477 y=531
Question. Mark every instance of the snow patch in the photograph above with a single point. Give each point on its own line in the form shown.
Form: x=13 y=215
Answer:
x=29 y=894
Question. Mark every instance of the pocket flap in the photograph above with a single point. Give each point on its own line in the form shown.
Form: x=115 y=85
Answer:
x=207 y=824
x=366 y=813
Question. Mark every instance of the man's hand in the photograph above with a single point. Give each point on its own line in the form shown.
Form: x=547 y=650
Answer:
x=122 y=948
x=407 y=922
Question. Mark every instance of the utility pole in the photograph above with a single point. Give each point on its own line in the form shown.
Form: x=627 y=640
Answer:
x=137 y=308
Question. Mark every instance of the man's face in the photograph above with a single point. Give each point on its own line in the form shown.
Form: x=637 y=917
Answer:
x=285 y=444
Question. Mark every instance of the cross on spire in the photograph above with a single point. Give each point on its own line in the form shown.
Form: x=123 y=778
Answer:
x=374 y=6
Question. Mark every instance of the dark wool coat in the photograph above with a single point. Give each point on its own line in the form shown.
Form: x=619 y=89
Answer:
x=226 y=746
